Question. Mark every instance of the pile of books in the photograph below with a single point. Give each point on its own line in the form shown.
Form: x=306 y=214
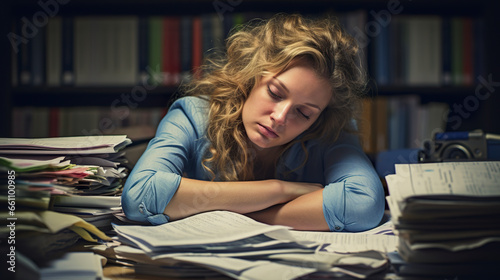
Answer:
x=58 y=190
x=447 y=217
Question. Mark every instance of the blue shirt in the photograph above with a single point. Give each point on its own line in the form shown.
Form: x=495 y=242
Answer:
x=353 y=197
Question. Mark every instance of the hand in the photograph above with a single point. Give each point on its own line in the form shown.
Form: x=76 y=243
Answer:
x=303 y=210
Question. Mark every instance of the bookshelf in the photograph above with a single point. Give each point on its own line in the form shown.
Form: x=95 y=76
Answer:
x=461 y=98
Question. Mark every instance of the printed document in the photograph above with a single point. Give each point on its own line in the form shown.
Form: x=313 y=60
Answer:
x=454 y=178
x=204 y=228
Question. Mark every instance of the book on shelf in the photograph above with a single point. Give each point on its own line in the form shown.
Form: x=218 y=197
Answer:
x=446 y=50
x=53 y=52
x=354 y=23
x=426 y=50
x=118 y=50
x=187 y=52
x=67 y=54
x=105 y=50
x=171 y=64
x=197 y=45
x=410 y=50
x=399 y=122
x=154 y=29
x=367 y=127
x=381 y=53
x=424 y=62
x=380 y=124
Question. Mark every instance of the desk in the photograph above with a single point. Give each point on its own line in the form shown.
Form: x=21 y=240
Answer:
x=119 y=272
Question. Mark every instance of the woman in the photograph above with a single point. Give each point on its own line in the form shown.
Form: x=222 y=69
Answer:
x=268 y=132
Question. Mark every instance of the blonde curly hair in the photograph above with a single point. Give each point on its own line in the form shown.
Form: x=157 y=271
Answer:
x=269 y=46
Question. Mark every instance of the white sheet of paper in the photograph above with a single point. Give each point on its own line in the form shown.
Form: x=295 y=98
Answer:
x=247 y=269
x=380 y=238
x=232 y=265
x=459 y=178
x=341 y=242
x=276 y=271
x=64 y=145
x=208 y=227
x=74 y=265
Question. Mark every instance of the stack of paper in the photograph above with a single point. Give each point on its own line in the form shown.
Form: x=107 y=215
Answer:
x=81 y=176
x=76 y=145
x=76 y=265
x=97 y=210
x=447 y=214
x=74 y=165
x=239 y=247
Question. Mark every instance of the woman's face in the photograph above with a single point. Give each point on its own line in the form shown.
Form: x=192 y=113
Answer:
x=281 y=107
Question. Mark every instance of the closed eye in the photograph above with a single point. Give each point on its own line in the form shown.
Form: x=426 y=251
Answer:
x=303 y=115
x=272 y=94
x=278 y=98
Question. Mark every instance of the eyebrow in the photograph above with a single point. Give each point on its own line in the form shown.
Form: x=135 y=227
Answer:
x=281 y=84
x=313 y=105
x=287 y=90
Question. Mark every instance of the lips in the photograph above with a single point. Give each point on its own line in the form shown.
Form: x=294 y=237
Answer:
x=267 y=131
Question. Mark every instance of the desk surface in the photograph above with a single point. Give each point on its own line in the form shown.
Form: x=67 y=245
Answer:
x=119 y=272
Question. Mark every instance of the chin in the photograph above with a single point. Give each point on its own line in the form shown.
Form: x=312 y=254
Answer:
x=260 y=143
x=264 y=146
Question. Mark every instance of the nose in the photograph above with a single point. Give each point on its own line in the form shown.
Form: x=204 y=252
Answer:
x=280 y=113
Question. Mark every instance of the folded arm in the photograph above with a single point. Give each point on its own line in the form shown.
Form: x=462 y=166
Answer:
x=303 y=213
x=352 y=199
x=195 y=196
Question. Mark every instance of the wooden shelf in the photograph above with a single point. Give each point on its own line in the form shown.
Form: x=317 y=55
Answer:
x=91 y=96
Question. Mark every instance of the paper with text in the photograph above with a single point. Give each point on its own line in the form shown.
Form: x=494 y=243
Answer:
x=350 y=242
x=209 y=227
x=456 y=178
x=64 y=145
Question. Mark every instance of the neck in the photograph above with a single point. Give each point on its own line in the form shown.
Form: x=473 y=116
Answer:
x=265 y=162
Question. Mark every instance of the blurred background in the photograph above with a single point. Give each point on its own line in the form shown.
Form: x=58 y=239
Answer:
x=88 y=67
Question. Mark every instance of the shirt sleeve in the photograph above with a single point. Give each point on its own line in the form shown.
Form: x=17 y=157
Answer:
x=353 y=197
x=157 y=174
